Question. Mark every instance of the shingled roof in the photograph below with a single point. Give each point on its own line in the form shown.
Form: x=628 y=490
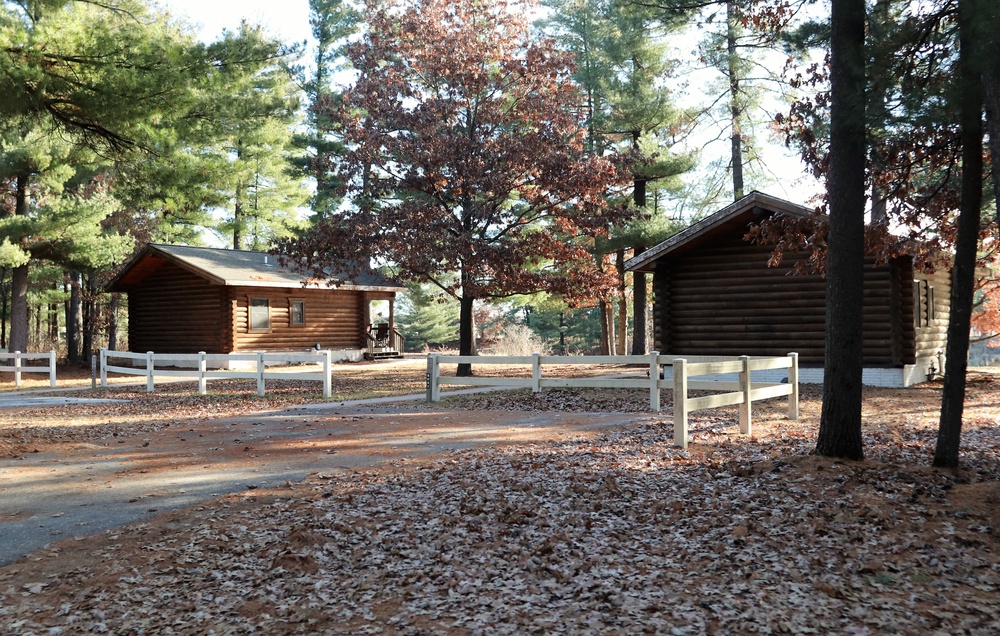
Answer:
x=742 y=212
x=238 y=268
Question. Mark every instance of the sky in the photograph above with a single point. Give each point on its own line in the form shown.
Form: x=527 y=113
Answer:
x=287 y=19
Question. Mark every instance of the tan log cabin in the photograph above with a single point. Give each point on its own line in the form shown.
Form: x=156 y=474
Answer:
x=188 y=299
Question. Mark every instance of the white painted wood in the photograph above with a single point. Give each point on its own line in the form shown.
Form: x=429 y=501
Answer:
x=595 y=383
x=536 y=373
x=481 y=381
x=714 y=368
x=681 y=403
x=654 y=384
x=793 y=381
x=745 y=410
x=713 y=401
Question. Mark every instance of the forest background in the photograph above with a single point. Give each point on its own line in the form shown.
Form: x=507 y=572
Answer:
x=232 y=139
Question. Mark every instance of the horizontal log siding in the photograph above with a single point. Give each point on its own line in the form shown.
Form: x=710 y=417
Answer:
x=332 y=318
x=175 y=311
x=725 y=300
x=933 y=337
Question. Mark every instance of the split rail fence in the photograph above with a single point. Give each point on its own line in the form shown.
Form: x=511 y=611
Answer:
x=742 y=391
x=16 y=364
x=204 y=367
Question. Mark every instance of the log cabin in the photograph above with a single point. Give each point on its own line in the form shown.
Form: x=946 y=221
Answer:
x=185 y=299
x=715 y=293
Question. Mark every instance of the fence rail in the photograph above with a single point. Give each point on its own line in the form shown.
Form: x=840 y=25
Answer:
x=18 y=368
x=201 y=362
x=742 y=392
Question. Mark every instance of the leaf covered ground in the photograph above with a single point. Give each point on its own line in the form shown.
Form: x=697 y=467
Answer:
x=613 y=532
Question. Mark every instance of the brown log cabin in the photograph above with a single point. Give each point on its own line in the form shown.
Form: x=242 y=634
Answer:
x=188 y=299
x=716 y=294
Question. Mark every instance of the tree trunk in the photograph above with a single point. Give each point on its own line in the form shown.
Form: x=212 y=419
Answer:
x=73 y=319
x=991 y=90
x=963 y=274
x=19 y=280
x=607 y=328
x=113 y=321
x=735 y=111
x=466 y=334
x=840 y=423
x=638 y=278
x=19 y=309
x=622 y=302
x=237 y=223
x=89 y=316
x=4 y=296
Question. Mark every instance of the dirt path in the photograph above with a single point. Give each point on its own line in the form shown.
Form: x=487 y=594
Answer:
x=82 y=488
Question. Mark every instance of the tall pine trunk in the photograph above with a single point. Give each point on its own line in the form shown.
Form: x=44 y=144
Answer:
x=622 y=346
x=19 y=279
x=4 y=298
x=90 y=325
x=638 y=278
x=963 y=274
x=840 y=422
x=73 y=319
x=113 y=321
x=735 y=110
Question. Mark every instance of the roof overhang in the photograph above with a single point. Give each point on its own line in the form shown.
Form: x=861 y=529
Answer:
x=753 y=206
x=236 y=268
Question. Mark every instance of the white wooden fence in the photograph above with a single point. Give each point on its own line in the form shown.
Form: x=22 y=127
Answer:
x=197 y=366
x=742 y=392
x=18 y=367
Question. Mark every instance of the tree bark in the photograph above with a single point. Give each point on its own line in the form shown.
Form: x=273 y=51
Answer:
x=113 y=321
x=991 y=94
x=466 y=334
x=19 y=280
x=840 y=423
x=963 y=273
x=622 y=302
x=735 y=111
x=638 y=278
x=4 y=296
x=89 y=316
x=607 y=328
x=73 y=319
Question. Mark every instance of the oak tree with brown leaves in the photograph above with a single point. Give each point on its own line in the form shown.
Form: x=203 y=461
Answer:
x=466 y=157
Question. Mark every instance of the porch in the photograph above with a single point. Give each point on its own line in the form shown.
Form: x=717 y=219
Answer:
x=383 y=341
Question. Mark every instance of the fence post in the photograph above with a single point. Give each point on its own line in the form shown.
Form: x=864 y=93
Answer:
x=17 y=368
x=260 y=373
x=434 y=373
x=52 y=368
x=93 y=372
x=202 y=369
x=680 y=403
x=793 y=379
x=745 y=423
x=654 y=381
x=149 y=372
x=536 y=372
x=327 y=370
x=104 y=367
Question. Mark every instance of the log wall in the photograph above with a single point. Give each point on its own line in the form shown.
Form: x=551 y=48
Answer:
x=724 y=300
x=175 y=311
x=931 y=335
x=333 y=319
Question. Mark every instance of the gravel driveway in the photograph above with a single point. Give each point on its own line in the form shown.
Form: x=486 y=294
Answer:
x=81 y=488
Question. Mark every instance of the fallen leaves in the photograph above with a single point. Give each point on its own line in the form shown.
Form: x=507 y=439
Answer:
x=616 y=534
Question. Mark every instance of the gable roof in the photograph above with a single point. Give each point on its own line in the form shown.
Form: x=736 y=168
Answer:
x=742 y=212
x=235 y=268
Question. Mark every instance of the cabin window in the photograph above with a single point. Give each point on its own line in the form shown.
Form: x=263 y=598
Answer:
x=260 y=314
x=297 y=312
